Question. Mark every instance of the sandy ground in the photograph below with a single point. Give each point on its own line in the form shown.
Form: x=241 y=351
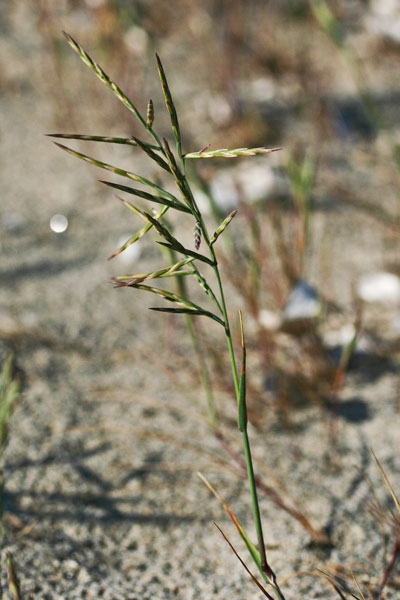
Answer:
x=102 y=498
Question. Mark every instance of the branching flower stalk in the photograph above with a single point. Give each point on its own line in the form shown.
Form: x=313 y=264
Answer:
x=192 y=259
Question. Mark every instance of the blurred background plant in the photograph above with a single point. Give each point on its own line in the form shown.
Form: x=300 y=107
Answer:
x=9 y=392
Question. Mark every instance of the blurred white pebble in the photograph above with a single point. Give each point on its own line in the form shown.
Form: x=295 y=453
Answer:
x=13 y=222
x=380 y=287
x=137 y=40
x=224 y=191
x=269 y=319
x=59 y=223
x=383 y=19
x=339 y=337
x=248 y=182
x=303 y=303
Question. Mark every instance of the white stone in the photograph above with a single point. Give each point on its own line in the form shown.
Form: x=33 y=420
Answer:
x=384 y=19
x=224 y=191
x=380 y=287
x=257 y=180
x=247 y=182
x=13 y=222
x=303 y=303
x=202 y=201
x=339 y=337
x=137 y=40
x=58 y=223
x=269 y=319
x=395 y=325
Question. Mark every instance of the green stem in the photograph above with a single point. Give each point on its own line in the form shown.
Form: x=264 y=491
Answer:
x=203 y=370
x=254 y=502
x=228 y=334
x=269 y=574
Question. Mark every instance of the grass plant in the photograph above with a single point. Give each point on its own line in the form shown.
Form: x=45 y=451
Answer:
x=192 y=261
x=200 y=263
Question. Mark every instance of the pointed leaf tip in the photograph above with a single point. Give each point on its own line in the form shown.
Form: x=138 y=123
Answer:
x=242 y=330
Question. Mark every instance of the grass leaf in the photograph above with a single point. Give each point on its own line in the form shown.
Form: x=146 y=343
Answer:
x=139 y=234
x=242 y=409
x=183 y=304
x=189 y=252
x=258 y=584
x=122 y=172
x=13 y=582
x=153 y=155
x=169 y=104
x=97 y=70
x=100 y=138
x=152 y=198
x=188 y=311
x=254 y=553
x=388 y=484
x=166 y=272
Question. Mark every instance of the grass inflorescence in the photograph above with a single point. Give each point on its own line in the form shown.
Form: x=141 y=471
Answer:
x=192 y=260
x=199 y=262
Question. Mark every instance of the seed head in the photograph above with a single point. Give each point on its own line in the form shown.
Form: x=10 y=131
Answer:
x=197 y=235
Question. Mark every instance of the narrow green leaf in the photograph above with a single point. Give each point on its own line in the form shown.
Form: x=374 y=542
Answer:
x=122 y=172
x=183 y=250
x=141 y=194
x=100 y=138
x=163 y=231
x=169 y=104
x=183 y=304
x=170 y=271
x=178 y=177
x=153 y=155
x=204 y=313
x=13 y=581
x=242 y=409
x=328 y=21
x=97 y=70
x=131 y=278
x=138 y=235
x=258 y=584
x=133 y=208
x=9 y=392
x=254 y=553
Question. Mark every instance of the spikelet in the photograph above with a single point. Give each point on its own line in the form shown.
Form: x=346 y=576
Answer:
x=234 y=153
x=222 y=227
x=197 y=235
x=150 y=114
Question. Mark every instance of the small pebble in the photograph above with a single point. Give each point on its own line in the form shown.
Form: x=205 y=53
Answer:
x=58 y=223
x=303 y=303
x=13 y=222
x=380 y=287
